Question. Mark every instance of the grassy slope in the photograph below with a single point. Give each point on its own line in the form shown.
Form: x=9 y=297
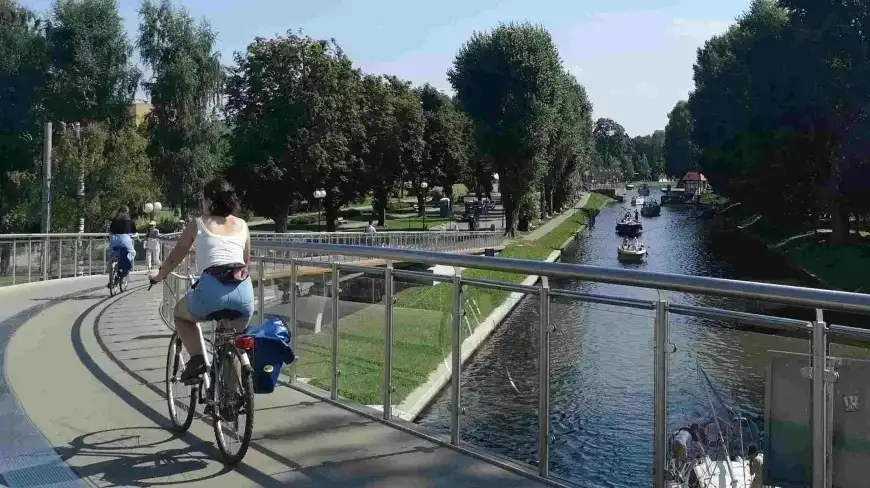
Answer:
x=422 y=322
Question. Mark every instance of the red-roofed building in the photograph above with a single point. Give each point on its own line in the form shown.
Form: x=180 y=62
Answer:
x=694 y=182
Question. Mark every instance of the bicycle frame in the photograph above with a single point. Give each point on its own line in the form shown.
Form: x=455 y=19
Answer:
x=206 y=379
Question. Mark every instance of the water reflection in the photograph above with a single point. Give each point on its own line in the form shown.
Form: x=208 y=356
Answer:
x=601 y=357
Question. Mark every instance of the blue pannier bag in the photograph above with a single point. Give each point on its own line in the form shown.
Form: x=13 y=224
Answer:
x=271 y=351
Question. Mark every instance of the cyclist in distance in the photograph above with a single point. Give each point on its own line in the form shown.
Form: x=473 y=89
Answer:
x=222 y=245
x=121 y=232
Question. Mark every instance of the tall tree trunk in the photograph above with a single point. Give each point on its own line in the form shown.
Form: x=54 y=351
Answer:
x=281 y=218
x=839 y=223
x=511 y=213
x=330 y=212
x=448 y=190
x=421 y=202
x=379 y=204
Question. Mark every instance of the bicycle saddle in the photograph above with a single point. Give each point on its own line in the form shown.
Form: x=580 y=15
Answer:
x=225 y=314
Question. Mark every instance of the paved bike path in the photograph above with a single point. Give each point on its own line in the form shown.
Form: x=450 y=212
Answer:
x=88 y=372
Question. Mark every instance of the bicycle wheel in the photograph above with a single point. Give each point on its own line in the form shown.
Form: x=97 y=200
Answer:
x=233 y=402
x=122 y=283
x=112 y=280
x=180 y=413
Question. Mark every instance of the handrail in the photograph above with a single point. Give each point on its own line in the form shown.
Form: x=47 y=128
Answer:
x=56 y=235
x=783 y=294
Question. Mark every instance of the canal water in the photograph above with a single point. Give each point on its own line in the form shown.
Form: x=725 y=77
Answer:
x=602 y=362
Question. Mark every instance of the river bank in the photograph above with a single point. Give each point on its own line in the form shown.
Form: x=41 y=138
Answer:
x=533 y=246
x=844 y=267
x=422 y=326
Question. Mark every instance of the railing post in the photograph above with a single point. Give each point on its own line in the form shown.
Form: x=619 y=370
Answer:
x=544 y=379
x=14 y=260
x=819 y=401
x=388 y=341
x=29 y=258
x=261 y=277
x=294 y=284
x=91 y=256
x=46 y=257
x=336 y=372
x=660 y=384
x=456 y=358
x=60 y=258
x=78 y=244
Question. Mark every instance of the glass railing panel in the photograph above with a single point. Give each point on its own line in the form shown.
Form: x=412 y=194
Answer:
x=422 y=328
x=315 y=324
x=361 y=332
x=739 y=396
x=499 y=380
x=601 y=399
x=849 y=459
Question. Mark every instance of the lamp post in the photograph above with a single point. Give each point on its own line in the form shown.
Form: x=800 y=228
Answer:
x=151 y=208
x=424 y=185
x=319 y=195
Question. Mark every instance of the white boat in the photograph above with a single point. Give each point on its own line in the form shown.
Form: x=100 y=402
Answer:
x=631 y=251
x=639 y=201
x=723 y=473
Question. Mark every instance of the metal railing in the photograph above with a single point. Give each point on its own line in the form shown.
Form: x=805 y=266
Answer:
x=23 y=257
x=40 y=257
x=383 y=341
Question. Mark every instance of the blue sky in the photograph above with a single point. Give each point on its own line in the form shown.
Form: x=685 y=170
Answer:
x=634 y=56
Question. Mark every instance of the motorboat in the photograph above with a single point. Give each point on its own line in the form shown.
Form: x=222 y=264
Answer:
x=651 y=208
x=631 y=251
x=628 y=227
x=633 y=201
x=639 y=201
x=629 y=186
x=643 y=190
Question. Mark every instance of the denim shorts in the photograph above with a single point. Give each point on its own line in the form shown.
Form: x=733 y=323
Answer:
x=210 y=296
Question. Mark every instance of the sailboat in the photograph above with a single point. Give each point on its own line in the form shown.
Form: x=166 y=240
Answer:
x=727 y=454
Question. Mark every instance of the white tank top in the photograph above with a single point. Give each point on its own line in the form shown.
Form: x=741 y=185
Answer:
x=214 y=250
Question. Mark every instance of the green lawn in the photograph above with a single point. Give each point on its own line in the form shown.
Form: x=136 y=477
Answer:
x=845 y=267
x=422 y=326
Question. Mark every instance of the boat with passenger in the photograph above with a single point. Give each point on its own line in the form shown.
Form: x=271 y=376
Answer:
x=628 y=227
x=643 y=190
x=718 y=453
x=631 y=250
x=651 y=208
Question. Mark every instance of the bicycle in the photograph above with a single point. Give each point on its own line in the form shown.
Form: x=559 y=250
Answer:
x=222 y=402
x=115 y=277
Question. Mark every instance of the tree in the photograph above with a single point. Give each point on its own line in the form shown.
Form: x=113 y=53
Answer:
x=570 y=143
x=92 y=77
x=116 y=168
x=185 y=136
x=445 y=156
x=294 y=104
x=506 y=80
x=614 y=146
x=23 y=66
x=651 y=146
x=394 y=136
x=680 y=152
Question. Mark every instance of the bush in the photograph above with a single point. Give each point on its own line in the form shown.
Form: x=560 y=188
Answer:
x=528 y=211
x=165 y=224
x=435 y=195
x=460 y=191
x=396 y=206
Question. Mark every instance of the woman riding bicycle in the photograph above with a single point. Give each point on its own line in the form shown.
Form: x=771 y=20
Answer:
x=121 y=232
x=222 y=245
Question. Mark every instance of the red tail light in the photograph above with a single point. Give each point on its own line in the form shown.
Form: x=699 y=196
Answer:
x=245 y=342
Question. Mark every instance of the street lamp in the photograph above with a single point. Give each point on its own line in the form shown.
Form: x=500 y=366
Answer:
x=319 y=195
x=424 y=185
x=151 y=208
